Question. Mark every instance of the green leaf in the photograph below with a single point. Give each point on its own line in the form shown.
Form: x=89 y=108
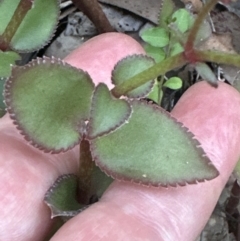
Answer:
x=49 y=101
x=130 y=66
x=176 y=49
x=206 y=73
x=156 y=36
x=37 y=27
x=156 y=53
x=173 y=83
x=166 y=12
x=100 y=182
x=183 y=19
x=152 y=149
x=6 y=59
x=61 y=197
x=204 y=32
x=154 y=94
x=107 y=112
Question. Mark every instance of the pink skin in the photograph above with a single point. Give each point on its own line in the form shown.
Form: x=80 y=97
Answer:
x=126 y=211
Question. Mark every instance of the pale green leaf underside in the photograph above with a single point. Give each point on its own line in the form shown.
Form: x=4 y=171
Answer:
x=37 y=27
x=176 y=49
x=204 y=32
x=107 y=113
x=156 y=53
x=50 y=101
x=206 y=73
x=130 y=66
x=152 y=149
x=183 y=19
x=156 y=36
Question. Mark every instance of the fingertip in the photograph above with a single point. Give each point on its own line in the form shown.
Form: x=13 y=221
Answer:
x=99 y=55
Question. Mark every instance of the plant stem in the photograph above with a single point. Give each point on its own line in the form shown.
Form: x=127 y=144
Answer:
x=189 y=46
x=85 y=172
x=149 y=74
x=190 y=55
x=22 y=9
x=171 y=63
x=95 y=13
x=218 y=57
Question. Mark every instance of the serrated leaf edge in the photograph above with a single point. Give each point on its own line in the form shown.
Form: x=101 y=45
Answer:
x=54 y=211
x=124 y=120
x=144 y=94
x=157 y=185
x=12 y=113
x=52 y=34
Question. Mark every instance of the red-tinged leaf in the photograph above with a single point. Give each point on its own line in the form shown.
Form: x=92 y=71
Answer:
x=152 y=149
x=62 y=197
x=107 y=112
x=49 y=102
x=130 y=66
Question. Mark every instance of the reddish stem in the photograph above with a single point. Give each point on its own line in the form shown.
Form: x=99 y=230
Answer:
x=22 y=9
x=94 y=12
x=85 y=172
x=190 y=54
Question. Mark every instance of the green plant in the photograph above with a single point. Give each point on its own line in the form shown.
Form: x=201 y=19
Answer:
x=167 y=40
x=57 y=107
x=25 y=26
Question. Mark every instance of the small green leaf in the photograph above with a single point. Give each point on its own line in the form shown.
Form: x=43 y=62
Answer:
x=61 y=197
x=204 y=32
x=156 y=36
x=206 y=73
x=154 y=94
x=37 y=27
x=130 y=66
x=183 y=19
x=176 y=49
x=107 y=113
x=49 y=101
x=156 y=53
x=152 y=149
x=6 y=59
x=166 y=12
x=173 y=83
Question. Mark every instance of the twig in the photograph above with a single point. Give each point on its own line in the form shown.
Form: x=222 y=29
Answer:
x=95 y=13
